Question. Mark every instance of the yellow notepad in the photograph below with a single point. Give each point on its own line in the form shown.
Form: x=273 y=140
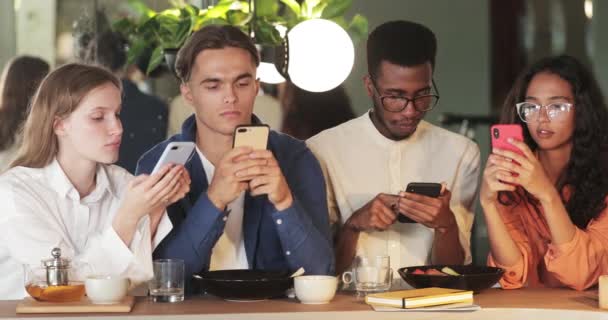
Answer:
x=417 y=298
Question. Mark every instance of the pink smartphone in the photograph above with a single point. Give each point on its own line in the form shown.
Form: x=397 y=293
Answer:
x=502 y=132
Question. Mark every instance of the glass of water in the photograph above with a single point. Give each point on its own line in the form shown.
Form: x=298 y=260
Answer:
x=370 y=274
x=168 y=282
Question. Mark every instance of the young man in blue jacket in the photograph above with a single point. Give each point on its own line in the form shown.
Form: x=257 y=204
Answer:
x=247 y=209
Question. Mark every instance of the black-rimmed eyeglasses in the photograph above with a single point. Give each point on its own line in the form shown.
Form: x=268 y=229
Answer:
x=394 y=103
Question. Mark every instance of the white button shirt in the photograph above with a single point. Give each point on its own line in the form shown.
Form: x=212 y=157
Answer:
x=359 y=163
x=41 y=209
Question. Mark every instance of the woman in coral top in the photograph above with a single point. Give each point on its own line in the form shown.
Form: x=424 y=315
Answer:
x=546 y=210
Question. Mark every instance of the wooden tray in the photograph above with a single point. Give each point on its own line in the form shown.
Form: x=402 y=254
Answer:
x=29 y=305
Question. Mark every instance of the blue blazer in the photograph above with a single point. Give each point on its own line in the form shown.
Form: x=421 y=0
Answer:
x=298 y=236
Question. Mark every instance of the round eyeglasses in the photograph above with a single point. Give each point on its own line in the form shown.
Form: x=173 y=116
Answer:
x=529 y=111
x=421 y=103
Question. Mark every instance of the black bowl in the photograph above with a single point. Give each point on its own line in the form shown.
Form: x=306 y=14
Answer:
x=243 y=284
x=475 y=278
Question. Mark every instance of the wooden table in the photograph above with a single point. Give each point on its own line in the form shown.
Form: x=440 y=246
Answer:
x=496 y=304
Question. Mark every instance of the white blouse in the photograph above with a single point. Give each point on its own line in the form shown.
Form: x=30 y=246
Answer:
x=40 y=209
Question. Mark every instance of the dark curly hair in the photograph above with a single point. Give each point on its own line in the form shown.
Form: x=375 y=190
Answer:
x=404 y=43
x=587 y=170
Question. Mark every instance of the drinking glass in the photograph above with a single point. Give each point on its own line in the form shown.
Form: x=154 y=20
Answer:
x=370 y=274
x=167 y=285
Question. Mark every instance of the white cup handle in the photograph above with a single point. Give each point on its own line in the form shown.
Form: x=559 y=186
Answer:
x=347 y=275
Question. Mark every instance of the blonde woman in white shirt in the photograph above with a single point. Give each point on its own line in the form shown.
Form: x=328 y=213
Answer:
x=62 y=191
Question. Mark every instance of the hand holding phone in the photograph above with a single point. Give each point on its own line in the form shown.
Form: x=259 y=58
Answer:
x=376 y=215
x=175 y=152
x=429 y=189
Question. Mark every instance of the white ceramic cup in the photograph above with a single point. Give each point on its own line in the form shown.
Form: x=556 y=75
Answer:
x=315 y=289
x=106 y=289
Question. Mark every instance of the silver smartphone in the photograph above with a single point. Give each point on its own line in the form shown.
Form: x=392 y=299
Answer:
x=176 y=153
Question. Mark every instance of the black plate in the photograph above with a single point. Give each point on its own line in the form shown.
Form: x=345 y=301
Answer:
x=475 y=278
x=243 y=284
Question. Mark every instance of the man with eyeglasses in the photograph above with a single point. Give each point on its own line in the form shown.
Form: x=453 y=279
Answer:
x=368 y=161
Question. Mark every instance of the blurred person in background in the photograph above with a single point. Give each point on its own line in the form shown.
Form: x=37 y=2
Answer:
x=20 y=80
x=308 y=113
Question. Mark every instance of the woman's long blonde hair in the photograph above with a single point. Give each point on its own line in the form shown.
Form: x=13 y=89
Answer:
x=57 y=97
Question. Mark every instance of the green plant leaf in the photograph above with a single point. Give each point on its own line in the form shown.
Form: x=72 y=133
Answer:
x=306 y=10
x=341 y=21
x=180 y=36
x=136 y=49
x=293 y=6
x=168 y=28
x=218 y=11
x=238 y=18
x=218 y=21
x=189 y=11
x=358 y=27
x=148 y=27
x=266 y=8
x=266 y=33
x=140 y=8
x=317 y=11
x=155 y=59
x=149 y=32
x=190 y=14
x=336 y=8
x=178 y=3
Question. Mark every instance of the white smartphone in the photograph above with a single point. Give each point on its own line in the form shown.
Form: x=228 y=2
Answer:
x=176 y=153
x=254 y=136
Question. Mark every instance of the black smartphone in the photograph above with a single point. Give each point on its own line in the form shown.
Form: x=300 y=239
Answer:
x=429 y=189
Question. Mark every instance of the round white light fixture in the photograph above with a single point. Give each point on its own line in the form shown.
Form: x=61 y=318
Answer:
x=320 y=55
x=268 y=73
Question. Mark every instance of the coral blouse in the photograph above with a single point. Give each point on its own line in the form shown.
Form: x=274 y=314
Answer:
x=576 y=264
